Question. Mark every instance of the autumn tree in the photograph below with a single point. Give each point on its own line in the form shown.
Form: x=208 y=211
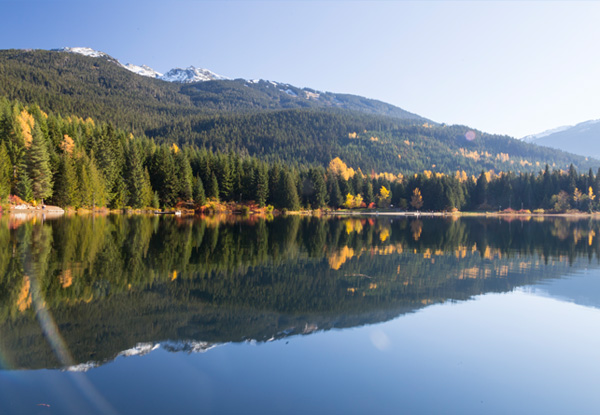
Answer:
x=416 y=200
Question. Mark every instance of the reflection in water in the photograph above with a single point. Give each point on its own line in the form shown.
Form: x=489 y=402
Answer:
x=78 y=291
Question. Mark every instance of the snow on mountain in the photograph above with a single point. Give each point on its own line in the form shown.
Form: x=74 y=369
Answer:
x=533 y=137
x=86 y=52
x=189 y=75
x=178 y=75
x=143 y=70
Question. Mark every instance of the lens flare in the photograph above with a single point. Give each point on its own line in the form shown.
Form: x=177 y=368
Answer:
x=470 y=135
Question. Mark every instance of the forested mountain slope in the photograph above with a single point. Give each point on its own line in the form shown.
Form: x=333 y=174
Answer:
x=270 y=120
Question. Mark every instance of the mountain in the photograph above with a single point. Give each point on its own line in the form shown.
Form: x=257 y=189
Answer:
x=267 y=119
x=190 y=75
x=178 y=75
x=582 y=139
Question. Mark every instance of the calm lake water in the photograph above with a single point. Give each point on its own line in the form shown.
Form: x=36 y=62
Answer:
x=165 y=315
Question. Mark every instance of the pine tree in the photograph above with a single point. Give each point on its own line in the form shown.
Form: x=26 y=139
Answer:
x=134 y=177
x=290 y=198
x=65 y=185
x=184 y=176
x=199 y=196
x=38 y=163
x=335 y=195
x=24 y=189
x=214 y=188
x=319 y=197
x=6 y=171
x=262 y=185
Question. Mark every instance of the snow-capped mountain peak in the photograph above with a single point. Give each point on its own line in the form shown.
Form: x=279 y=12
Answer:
x=143 y=70
x=190 y=74
x=85 y=51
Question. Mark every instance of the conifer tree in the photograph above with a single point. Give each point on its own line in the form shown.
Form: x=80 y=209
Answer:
x=199 y=195
x=135 y=179
x=289 y=191
x=38 y=163
x=65 y=185
x=319 y=198
x=262 y=185
x=24 y=190
x=214 y=188
x=335 y=194
x=5 y=173
x=184 y=176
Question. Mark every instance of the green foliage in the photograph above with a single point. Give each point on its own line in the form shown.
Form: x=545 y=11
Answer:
x=6 y=171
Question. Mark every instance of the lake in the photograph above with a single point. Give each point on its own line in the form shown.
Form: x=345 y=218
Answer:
x=185 y=315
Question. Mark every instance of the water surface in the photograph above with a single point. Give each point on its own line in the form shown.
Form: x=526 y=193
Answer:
x=117 y=314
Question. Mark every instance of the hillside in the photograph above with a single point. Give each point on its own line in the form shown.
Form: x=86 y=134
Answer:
x=270 y=120
x=582 y=139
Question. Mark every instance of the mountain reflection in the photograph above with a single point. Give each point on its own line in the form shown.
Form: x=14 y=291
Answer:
x=112 y=283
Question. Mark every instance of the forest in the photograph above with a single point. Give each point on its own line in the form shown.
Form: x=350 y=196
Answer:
x=72 y=162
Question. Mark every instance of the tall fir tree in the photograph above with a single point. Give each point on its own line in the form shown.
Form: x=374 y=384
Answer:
x=262 y=185
x=5 y=172
x=199 y=195
x=38 y=163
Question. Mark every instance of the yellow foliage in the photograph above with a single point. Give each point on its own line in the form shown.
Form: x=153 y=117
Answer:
x=374 y=138
x=384 y=234
x=469 y=154
x=591 y=194
x=427 y=174
x=338 y=167
x=353 y=225
x=407 y=142
x=384 y=194
x=24 y=299
x=67 y=145
x=66 y=278
x=503 y=157
x=26 y=122
x=337 y=259
x=174 y=275
x=352 y=135
x=175 y=148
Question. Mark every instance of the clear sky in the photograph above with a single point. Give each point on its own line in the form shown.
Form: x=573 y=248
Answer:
x=513 y=67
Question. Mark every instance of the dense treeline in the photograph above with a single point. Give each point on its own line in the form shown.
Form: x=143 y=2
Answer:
x=274 y=122
x=79 y=163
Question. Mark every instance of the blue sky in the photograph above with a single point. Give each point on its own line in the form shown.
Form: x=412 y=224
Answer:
x=513 y=67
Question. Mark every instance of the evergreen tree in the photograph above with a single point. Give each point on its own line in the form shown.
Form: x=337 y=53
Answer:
x=135 y=178
x=262 y=185
x=199 y=196
x=65 y=185
x=24 y=189
x=319 y=198
x=184 y=176
x=289 y=191
x=6 y=171
x=39 y=166
x=335 y=195
x=214 y=188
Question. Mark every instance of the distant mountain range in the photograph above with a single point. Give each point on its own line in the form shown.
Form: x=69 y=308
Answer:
x=267 y=119
x=582 y=139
